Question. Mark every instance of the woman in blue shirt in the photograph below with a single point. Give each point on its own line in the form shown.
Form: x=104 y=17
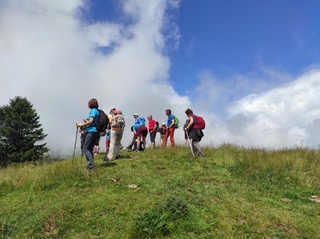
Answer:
x=92 y=132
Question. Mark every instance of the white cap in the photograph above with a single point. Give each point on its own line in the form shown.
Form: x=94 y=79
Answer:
x=136 y=114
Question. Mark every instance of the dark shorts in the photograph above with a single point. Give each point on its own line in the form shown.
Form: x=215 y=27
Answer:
x=196 y=135
x=153 y=136
x=142 y=131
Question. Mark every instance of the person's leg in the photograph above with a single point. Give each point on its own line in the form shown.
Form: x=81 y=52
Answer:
x=118 y=143
x=153 y=139
x=171 y=132
x=112 y=144
x=144 y=137
x=135 y=145
x=197 y=149
x=96 y=149
x=88 y=148
x=193 y=136
x=144 y=142
x=132 y=142
x=185 y=138
x=138 y=143
x=107 y=145
x=165 y=138
x=142 y=130
x=107 y=149
x=83 y=137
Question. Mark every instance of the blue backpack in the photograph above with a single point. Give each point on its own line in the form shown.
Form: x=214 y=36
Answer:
x=143 y=121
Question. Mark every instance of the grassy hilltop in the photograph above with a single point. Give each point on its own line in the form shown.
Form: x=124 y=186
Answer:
x=233 y=192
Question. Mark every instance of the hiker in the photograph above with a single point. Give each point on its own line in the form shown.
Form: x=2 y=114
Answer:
x=185 y=132
x=153 y=128
x=133 y=142
x=107 y=140
x=193 y=133
x=162 y=131
x=140 y=130
x=170 y=129
x=116 y=126
x=92 y=133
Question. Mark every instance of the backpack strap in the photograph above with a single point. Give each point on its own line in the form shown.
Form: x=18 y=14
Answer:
x=195 y=121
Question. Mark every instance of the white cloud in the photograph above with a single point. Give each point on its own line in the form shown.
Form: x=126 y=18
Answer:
x=287 y=116
x=49 y=55
x=58 y=61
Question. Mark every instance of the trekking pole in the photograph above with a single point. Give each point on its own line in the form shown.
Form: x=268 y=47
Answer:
x=190 y=143
x=75 y=144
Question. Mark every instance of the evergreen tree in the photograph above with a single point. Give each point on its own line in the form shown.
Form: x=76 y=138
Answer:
x=20 y=130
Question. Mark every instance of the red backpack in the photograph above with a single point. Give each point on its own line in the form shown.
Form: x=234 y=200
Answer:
x=199 y=122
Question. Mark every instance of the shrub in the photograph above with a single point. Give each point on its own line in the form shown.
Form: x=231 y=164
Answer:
x=160 y=220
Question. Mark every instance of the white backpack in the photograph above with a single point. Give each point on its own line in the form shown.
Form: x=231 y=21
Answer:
x=117 y=119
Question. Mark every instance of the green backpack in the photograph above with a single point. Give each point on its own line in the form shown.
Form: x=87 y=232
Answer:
x=176 y=122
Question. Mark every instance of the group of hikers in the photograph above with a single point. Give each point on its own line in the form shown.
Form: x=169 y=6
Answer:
x=112 y=126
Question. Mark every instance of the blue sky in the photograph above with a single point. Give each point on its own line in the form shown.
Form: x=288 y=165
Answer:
x=229 y=37
x=251 y=68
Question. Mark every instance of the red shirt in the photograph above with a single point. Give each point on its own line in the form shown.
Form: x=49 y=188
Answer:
x=152 y=125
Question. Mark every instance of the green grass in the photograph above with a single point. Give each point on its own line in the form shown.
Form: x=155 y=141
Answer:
x=233 y=192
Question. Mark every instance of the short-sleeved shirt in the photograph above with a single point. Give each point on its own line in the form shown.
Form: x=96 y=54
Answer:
x=152 y=125
x=137 y=123
x=170 y=118
x=94 y=113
